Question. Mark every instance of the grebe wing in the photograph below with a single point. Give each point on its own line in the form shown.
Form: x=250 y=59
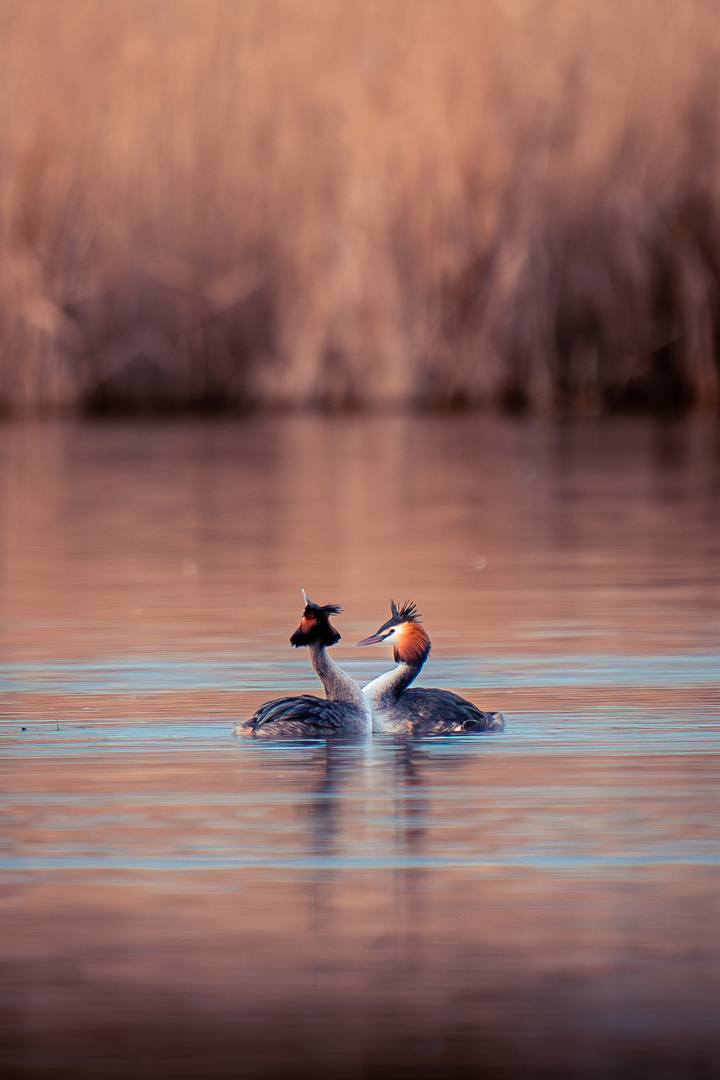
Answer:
x=308 y=712
x=441 y=712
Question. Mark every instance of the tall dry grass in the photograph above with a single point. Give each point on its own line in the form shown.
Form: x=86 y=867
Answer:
x=229 y=202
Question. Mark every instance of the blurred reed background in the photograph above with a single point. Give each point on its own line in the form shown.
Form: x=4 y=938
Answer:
x=228 y=204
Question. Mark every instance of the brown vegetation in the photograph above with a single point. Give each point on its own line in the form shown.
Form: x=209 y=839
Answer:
x=220 y=204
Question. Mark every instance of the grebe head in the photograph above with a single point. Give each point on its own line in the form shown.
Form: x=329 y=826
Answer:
x=315 y=626
x=403 y=631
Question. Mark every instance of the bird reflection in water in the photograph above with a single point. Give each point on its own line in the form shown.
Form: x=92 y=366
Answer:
x=348 y=769
x=412 y=803
x=346 y=773
x=337 y=767
x=335 y=771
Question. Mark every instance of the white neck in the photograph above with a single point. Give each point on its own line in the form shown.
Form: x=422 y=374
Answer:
x=388 y=687
x=338 y=685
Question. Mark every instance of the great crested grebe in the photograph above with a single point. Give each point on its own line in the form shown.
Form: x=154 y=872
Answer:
x=418 y=711
x=345 y=710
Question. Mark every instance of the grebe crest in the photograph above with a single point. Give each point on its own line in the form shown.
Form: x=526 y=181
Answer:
x=404 y=632
x=315 y=626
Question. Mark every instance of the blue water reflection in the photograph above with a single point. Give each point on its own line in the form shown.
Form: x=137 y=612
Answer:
x=552 y=792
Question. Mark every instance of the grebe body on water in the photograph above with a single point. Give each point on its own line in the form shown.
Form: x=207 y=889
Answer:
x=417 y=711
x=343 y=711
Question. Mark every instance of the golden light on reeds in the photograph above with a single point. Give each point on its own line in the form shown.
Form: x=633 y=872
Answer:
x=228 y=204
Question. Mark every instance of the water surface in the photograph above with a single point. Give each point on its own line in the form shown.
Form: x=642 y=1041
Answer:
x=180 y=902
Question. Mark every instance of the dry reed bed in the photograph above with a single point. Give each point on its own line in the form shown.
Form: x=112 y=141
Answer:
x=226 y=203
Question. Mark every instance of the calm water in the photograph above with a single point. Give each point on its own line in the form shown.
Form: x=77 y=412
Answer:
x=177 y=902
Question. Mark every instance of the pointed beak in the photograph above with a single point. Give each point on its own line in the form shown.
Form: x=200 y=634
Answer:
x=374 y=639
